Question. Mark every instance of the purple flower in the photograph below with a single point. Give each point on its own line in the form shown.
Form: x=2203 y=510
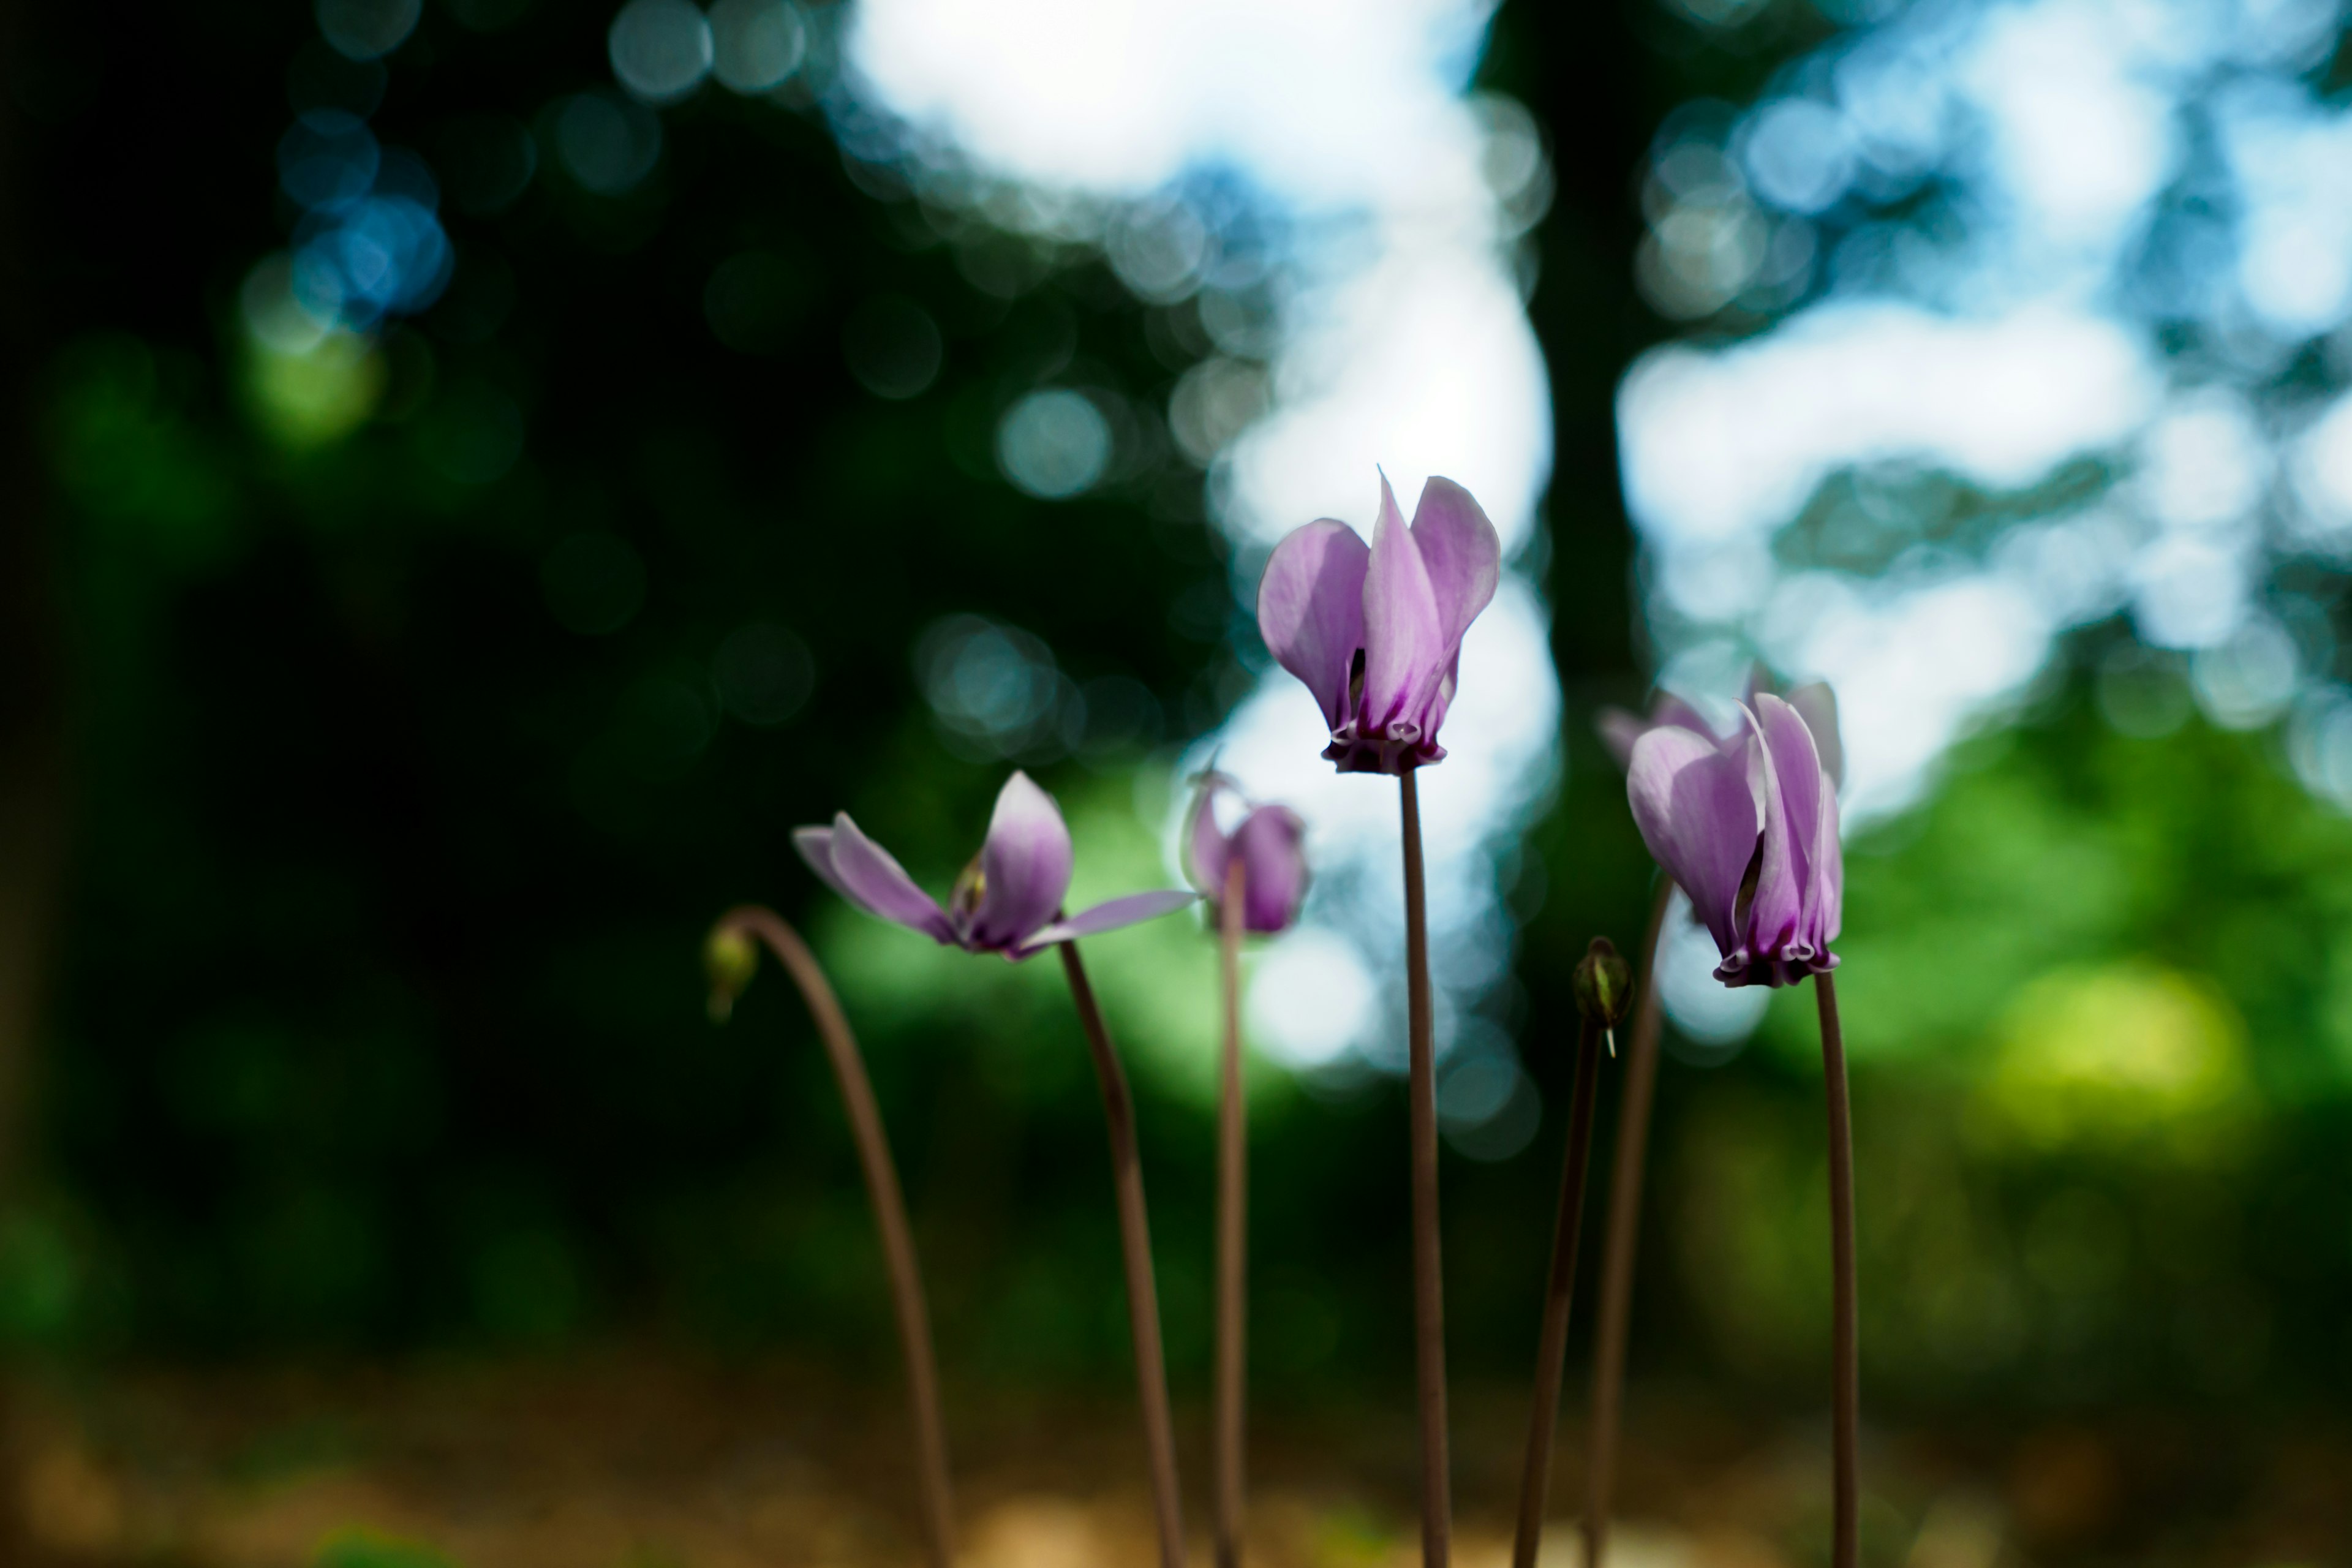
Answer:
x=1747 y=824
x=1268 y=843
x=1376 y=631
x=1008 y=900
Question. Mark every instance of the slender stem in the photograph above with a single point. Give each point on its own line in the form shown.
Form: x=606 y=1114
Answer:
x=1428 y=1277
x=1551 y=1348
x=889 y=1216
x=1134 y=1243
x=1623 y=1238
x=1845 y=1380
x=1232 y=1234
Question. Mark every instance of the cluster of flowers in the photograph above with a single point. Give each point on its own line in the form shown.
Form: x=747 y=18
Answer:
x=1744 y=820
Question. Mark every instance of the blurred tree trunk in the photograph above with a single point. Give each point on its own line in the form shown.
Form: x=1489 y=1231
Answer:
x=32 y=753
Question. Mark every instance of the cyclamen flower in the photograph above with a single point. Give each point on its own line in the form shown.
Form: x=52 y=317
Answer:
x=1267 y=842
x=1008 y=899
x=1749 y=825
x=1375 y=631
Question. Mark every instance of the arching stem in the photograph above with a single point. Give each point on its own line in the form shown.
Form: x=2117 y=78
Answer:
x=1428 y=1274
x=1623 y=1240
x=890 y=1216
x=1135 y=1245
x=1232 y=1234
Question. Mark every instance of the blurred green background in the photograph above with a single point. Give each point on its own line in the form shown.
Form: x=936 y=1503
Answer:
x=386 y=719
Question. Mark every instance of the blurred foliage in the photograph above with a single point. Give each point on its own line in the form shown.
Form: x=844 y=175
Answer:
x=409 y=771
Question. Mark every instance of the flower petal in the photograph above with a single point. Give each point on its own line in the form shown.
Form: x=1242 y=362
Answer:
x=1776 y=910
x=815 y=846
x=1831 y=878
x=1816 y=704
x=1310 y=609
x=869 y=878
x=1621 y=728
x=1274 y=879
x=1692 y=802
x=1024 y=865
x=1205 y=845
x=1405 y=650
x=1127 y=912
x=1462 y=551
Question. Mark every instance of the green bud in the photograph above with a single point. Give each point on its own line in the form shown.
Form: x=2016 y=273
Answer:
x=1604 y=984
x=730 y=958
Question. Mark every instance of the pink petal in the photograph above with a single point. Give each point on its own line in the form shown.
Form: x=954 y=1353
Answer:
x=1310 y=609
x=1831 y=875
x=1024 y=865
x=1463 y=555
x=1776 y=912
x=1270 y=842
x=1205 y=847
x=1816 y=704
x=1127 y=912
x=1693 y=804
x=816 y=846
x=1405 y=650
x=1620 y=729
x=870 y=878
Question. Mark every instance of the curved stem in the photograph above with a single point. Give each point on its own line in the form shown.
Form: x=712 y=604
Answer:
x=1551 y=1348
x=1623 y=1240
x=1428 y=1277
x=890 y=1216
x=1135 y=1244
x=1232 y=1234
x=1846 y=1376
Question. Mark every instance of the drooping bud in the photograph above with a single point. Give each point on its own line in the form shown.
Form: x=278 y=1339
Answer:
x=730 y=958
x=1604 y=984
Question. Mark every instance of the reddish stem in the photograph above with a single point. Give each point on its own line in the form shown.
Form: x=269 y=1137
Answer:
x=1846 y=1376
x=1232 y=1235
x=1428 y=1276
x=1135 y=1245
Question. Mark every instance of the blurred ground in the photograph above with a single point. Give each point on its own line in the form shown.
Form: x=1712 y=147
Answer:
x=641 y=1463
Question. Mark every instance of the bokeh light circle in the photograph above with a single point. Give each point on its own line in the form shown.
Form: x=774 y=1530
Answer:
x=364 y=29
x=756 y=43
x=661 y=50
x=893 y=347
x=1054 y=444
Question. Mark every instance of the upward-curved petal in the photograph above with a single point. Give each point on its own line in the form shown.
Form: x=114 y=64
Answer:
x=1692 y=802
x=1205 y=846
x=1776 y=910
x=1310 y=609
x=1462 y=551
x=869 y=877
x=1024 y=865
x=816 y=846
x=1405 y=650
x=1816 y=704
x=1620 y=728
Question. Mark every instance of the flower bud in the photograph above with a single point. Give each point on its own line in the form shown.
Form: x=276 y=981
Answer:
x=1604 y=984
x=729 y=959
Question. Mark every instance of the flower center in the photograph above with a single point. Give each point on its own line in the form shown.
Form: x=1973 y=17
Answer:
x=970 y=887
